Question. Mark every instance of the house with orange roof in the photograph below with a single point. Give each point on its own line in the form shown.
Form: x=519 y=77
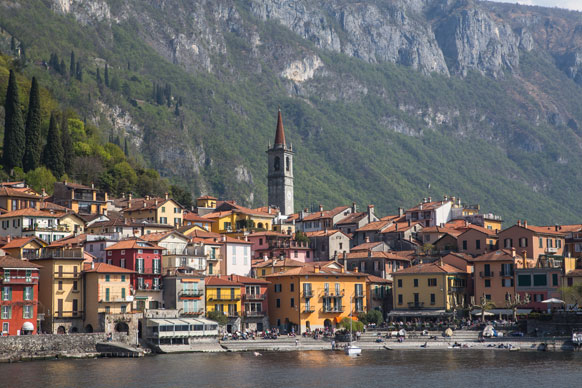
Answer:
x=356 y=220
x=178 y=252
x=211 y=250
x=377 y=263
x=477 y=240
x=24 y=248
x=274 y=244
x=573 y=240
x=315 y=297
x=46 y=225
x=16 y=198
x=205 y=204
x=401 y=235
x=328 y=244
x=195 y=220
x=236 y=220
x=535 y=240
x=107 y=295
x=145 y=259
x=156 y=210
x=236 y=256
x=254 y=302
x=80 y=198
x=370 y=232
x=224 y=295
x=322 y=219
x=429 y=290
x=262 y=267
x=184 y=291
x=431 y=213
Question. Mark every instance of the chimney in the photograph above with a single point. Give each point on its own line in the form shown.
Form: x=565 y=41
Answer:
x=269 y=209
x=354 y=207
x=166 y=196
x=8 y=239
x=400 y=212
x=92 y=185
x=512 y=251
x=356 y=270
x=525 y=223
x=369 y=253
x=65 y=182
x=147 y=197
x=345 y=259
x=316 y=269
x=144 y=204
x=420 y=207
x=557 y=227
x=518 y=222
x=429 y=199
x=446 y=198
x=92 y=265
x=441 y=262
x=246 y=238
x=223 y=238
x=466 y=224
x=320 y=207
x=265 y=257
x=370 y=213
x=524 y=254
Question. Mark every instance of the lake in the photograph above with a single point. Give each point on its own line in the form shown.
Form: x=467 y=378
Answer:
x=421 y=368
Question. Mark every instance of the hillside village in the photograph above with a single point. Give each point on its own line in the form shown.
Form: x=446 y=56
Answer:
x=82 y=261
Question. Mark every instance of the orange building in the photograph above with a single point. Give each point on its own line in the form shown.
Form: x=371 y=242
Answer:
x=477 y=240
x=535 y=240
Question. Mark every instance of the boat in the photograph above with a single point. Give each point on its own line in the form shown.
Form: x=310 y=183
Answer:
x=352 y=350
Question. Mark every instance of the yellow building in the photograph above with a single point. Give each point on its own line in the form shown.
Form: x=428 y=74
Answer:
x=262 y=268
x=235 y=220
x=107 y=291
x=24 y=248
x=15 y=198
x=314 y=297
x=225 y=296
x=433 y=289
x=79 y=198
x=61 y=290
x=206 y=201
x=158 y=210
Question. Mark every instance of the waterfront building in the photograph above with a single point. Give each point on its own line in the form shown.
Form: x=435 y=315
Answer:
x=23 y=248
x=61 y=289
x=79 y=198
x=573 y=240
x=19 y=304
x=236 y=256
x=120 y=228
x=224 y=295
x=280 y=172
x=477 y=240
x=178 y=253
x=377 y=263
x=535 y=240
x=205 y=204
x=184 y=291
x=169 y=331
x=379 y=294
x=255 y=302
x=429 y=290
x=107 y=292
x=210 y=250
x=315 y=297
x=196 y=220
x=145 y=259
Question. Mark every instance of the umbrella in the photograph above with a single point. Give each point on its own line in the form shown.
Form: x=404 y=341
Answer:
x=553 y=300
x=478 y=312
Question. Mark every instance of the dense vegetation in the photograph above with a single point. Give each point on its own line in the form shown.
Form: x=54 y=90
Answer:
x=207 y=131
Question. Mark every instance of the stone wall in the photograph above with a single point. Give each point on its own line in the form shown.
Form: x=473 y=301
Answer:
x=49 y=345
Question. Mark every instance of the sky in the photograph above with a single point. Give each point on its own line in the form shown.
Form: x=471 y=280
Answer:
x=569 y=4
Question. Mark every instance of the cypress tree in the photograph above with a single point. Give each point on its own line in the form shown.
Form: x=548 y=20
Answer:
x=67 y=144
x=63 y=68
x=14 y=137
x=33 y=149
x=125 y=149
x=13 y=44
x=53 y=151
x=98 y=77
x=79 y=72
x=72 y=65
x=106 y=75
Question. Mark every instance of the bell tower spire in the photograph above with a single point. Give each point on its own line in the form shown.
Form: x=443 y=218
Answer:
x=280 y=177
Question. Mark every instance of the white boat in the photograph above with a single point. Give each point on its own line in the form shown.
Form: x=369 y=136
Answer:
x=353 y=350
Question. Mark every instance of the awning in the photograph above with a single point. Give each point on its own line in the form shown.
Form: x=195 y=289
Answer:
x=478 y=312
x=553 y=300
x=418 y=313
x=510 y=311
x=27 y=326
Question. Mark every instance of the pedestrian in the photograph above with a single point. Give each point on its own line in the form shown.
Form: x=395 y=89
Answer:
x=296 y=342
x=332 y=344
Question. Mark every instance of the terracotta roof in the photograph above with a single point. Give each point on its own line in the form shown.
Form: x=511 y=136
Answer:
x=463 y=256
x=575 y=273
x=11 y=262
x=394 y=218
x=76 y=186
x=71 y=240
x=30 y=212
x=269 y=233
x=429 y=268
x=444 y=230
x=310 y=270
x=427 y=206
x=153 y=203
x=376 y=255
x=373 y=226
x=244 y=279
x=366 y=246
x=232 y=240
x=488 y=232
x=280 y=134
x=45 y=205
x=323 y=233
x=376 y=279
x=193 y=217
x=203 y=234
x=260 y=263
x=133 y=244
x=105 y=268
x=400 y=227
x=219 y=281
x=352 y=218
x=499 y=255
x=206 y=197
x=20 y=242
x=159 y=236
x=325 y=214
x=546 y=230
x=18 y=192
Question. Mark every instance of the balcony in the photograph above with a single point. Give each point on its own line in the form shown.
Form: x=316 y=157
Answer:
x=20 y=280
x=67 y=275
x=223 y=297
x=191 y=293
x=232 y=314
x=149 y=271
x=454 y=289
x=74 y=253
x=333 y=293
x=504 y=274
x=48 y=228
x=213 y=258
x=415 y=305
x=118 y=299
x=485 y=274
x=359 y=294
x=68 y=314
x=307 y=293
x=551 y=250
x=193 y=313
x=254 y=296
x=254 y=314
x=309 y=309
x=147 y=287
x=333 y=309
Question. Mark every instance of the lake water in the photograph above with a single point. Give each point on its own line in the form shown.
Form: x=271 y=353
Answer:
x=423 y=368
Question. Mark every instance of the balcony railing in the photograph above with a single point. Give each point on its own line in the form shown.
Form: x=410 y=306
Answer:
x=67 y=275
x=307 y=293
x=333 y=309
x=223 y=297
x=147 y=287
x=20 y=279
x=254 y=296
x=213 y=258
x=254 y=314
x=334 y=293
x=191 y=293
x=117 y=299
x=486 y=274
x=74 y=253
x=551 y=250
x=415 y=305
x=149 y=271
x=192 y=313
x=309 y=309
x=68 y=314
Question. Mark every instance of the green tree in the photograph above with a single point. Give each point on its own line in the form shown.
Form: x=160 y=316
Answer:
x=79 y=72
x=41 y=178
x=67 y=143
x=72 y=69
x=115 y=83
x=14 y=134
x=98 y=77
x=181 y=195
x=217 y=317
x=356 y=325
x=33 y=136
x=63 y=68
x=53 y=155
x=125 y=148
x=301 y=237
x=106 y=75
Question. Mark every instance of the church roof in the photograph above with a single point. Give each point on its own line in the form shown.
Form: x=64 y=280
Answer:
x=280 y=135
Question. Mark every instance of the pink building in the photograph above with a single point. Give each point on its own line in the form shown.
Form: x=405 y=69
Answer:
x=274 y=244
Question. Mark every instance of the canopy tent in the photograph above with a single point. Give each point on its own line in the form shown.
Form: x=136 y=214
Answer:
x=417 y=313
x=478 y=313
x=509 y=312
x=553 y=300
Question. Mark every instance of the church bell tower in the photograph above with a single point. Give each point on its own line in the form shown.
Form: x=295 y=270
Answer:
x=280 y=177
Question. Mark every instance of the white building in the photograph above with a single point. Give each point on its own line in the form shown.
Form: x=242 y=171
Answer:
x=46 y=225
x=236 y=256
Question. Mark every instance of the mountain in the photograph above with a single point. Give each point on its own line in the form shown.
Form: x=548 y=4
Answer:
x=385 y=101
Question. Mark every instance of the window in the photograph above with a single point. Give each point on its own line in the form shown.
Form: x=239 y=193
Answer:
x=415 y=282
x=292 y=287
x=295 y=254
x=107 y=278
x=278 y=287
x=488 y=297
x=60 y=287
x=558 y=243
x=432 y=298
x=75 y=286
x=27 y=311
x=549 y=242
x=507 y=282
x=341 y=246
x=109 y=253
x=123 y=293
x=278 y=303
x=523 y=280
x=287 y=163
x=540 y=280
x=292 y=302
x=554 y=279
x=28 y=293
x=6 y=312
x=464 y=245
x=432 y=282
x=399 y=283
x=122 y=278
x=541 y=242
x=487 y=269
x=260 y=241
x=277 y=163
x=523 y=242
x=478 y=244
x=123 y=309
x=123 y=251
x=508 y=243
x=122 y=263
x=399 y=298
x=487 y=283
x=6 y=293
x=5 y=327
x=107 y=294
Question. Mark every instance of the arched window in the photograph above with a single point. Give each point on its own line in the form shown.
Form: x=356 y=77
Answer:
x=277 y=164
x=287 y=164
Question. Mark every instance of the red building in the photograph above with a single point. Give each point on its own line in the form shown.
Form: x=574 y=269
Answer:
x=275 y=245
x=255 y=303
x=19 y=280
x=145 y=258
